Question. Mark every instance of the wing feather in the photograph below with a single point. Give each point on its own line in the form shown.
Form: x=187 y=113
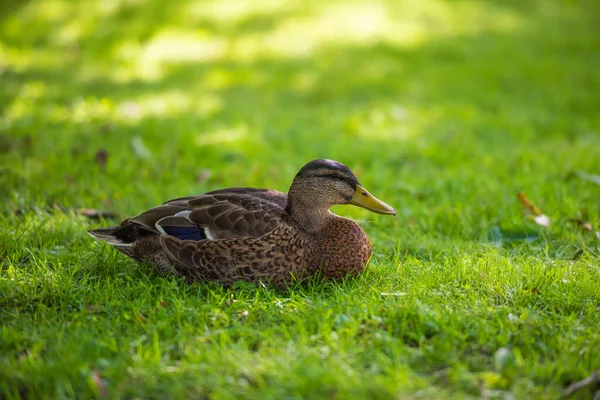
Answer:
x=222 y=214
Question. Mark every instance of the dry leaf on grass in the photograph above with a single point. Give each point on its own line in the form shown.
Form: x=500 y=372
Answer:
x=203 y=175
x=101 y=158
x=586 y=226
x=532 y=212
x=585 y=176
x=97 y=379
x=574 y=387
x=501 y=236
x=140 y=150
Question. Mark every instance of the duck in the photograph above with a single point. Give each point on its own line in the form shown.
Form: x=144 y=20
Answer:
x=256 y=235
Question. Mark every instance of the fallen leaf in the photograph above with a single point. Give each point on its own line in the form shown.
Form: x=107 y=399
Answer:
x=163 y=304
x=583 y=224
x=593 y=378
x=229 y=302
x=586 y=176
x=500 y=236
x=534 y=290
x=542 y=220
x=101 y=158
x=531 y=211
x=203 y=175
x=139 y=148
x=528 y=207
x=24 y=354
x=106 y=128
x=7 y=144
x=244 y=313
x=92 y=213
x=97 y=379
x=577 y=255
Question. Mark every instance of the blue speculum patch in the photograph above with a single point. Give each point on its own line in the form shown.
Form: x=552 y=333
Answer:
x=185 y=232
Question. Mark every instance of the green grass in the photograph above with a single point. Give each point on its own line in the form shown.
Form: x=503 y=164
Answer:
x=444 y=109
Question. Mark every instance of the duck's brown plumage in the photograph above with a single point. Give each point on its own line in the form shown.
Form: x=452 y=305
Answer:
x=255 y=234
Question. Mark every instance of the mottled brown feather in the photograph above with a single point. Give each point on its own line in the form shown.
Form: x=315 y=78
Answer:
x=226 y=213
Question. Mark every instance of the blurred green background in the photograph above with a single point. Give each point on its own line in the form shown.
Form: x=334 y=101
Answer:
x=444 y=109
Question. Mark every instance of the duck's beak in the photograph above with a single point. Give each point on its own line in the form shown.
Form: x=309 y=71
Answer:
x=364 y=199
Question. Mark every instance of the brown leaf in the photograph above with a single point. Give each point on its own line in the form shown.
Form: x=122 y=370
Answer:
x=101 y=158
x=106 y=128
x=593 y=378
x=163 y=304
x=97 y=379
x=531 y=211
x=203 y=175
x=534 y=290
x=582 y=224
x=24 y=354
x=229 y=302
x=586 y=226
x=528 y=207
x=92 y=213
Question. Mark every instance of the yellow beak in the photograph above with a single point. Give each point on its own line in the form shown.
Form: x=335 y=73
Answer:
x=364 y=199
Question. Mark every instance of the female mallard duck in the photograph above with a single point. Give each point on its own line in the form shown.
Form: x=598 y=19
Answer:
x=256 y=234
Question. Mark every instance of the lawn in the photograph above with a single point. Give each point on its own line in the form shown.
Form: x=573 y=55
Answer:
x=444 y=109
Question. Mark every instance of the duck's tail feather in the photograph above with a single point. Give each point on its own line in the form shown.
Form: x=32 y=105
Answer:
x=120 y=236
x=108 y=235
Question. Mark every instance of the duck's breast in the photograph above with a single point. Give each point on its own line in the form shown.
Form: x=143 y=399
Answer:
x=344 y=248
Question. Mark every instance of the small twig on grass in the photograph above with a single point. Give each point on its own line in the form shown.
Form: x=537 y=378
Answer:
x=574 y=387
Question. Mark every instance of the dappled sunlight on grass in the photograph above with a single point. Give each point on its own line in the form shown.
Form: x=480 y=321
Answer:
x=207 y=31
x=444 y=109
x=212 y=59
x=228 y=135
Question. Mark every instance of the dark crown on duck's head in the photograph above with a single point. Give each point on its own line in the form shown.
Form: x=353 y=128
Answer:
x=328 y=169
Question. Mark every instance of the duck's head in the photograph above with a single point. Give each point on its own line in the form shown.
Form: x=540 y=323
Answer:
x=321 y=184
